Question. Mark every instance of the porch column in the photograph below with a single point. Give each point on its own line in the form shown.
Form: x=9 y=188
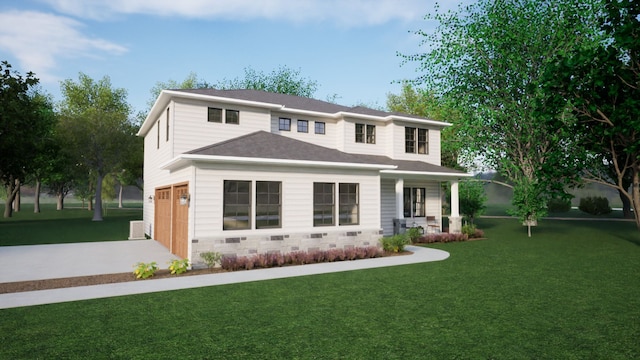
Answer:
x=399 y=199
x=455 y=221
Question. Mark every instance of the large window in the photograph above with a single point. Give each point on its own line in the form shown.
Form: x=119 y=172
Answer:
x=232 y=116
x=416 y=140
x=365 y=133
x=303 y=126
x=349 y=209
x=214 y=115
x=268 y=204
x=319 y=126
x=414 y=202
x=323 y=204
x=284 y=124
x=237 y=205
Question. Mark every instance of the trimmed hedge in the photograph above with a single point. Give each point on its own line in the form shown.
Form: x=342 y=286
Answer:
x=595 y=205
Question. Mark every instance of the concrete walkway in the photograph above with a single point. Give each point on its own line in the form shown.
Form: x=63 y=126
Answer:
x=31 y=298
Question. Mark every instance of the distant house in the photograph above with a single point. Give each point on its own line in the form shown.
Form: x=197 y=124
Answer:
x=246 y=171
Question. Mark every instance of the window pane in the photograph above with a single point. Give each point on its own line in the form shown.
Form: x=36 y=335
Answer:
x=410 y=140
x=232 y=116
x=407 y=202
x=268 y=208
x=371 y=134
x=359 y=133
x=348 y=206
x=319 y=127
x=236 y=205
x=303 y=126
x=214 y=115
x=284 y=124
x=323 y=207
x=423 y=141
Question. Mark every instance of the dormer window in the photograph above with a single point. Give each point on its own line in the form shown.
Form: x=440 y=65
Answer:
x=319 y=127
x=365 y=133
x=416 y=140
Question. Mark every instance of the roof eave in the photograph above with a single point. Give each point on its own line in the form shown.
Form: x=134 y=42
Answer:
x=431 y=174
x=184 y=159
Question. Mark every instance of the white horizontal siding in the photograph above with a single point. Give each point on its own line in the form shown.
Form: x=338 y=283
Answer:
x=192 y=130
x=297 y=198
x=349 y=139
x=328 y=139
x=387 y=205
x=398 y=148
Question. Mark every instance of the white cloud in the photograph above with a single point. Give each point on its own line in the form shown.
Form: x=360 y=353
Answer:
x=351 y=13
x=38 y=40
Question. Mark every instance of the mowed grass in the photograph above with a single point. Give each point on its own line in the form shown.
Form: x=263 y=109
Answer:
x=572 y=291
x=66 y=226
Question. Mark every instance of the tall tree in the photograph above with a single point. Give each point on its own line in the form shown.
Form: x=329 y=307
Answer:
x=490 y=58
x=190 y=82
x=96 y=116
x=45 y=148
x=283 y=80
x=602 y=84
x=22 y=125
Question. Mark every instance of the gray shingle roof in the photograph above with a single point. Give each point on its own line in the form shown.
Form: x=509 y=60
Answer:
x=265 y=145
x=293 y=102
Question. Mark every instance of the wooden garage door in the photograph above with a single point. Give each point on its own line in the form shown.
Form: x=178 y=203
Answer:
x=179 y=243
x=162 y=231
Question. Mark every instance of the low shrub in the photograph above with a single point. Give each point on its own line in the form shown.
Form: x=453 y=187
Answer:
x=595 y=205
x=211 y=258
x=414 y=233
x=395 y=243
x=178 y=267
x=234 y=263
x=145 y=270
x=468 y=229
x=558 y=205
x=443 y=238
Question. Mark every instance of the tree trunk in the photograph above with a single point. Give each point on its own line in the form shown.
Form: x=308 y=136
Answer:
x=11 y=194
x=120 y=197
x=16 y=199
x=97 y=209
x=635 y=194
x=90 y=203
x=36 y=198
x=59 y=200
x=626 y=206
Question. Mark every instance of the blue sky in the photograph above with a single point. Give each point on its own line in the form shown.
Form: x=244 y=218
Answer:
x=349 y=47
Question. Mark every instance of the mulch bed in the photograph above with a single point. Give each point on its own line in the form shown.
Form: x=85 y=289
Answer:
x=47 y=284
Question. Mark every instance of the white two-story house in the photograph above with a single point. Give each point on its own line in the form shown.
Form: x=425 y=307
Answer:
x=246 y=171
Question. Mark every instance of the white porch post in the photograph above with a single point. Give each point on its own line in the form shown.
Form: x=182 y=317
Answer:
x=455 y=221
x=399 y=198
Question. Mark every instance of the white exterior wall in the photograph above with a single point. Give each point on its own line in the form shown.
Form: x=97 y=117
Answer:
x=387 y=205
x=350 y=145
x=297 y=210
x=398 y=148
x=433 y=203
x=193 y=131
x=329 y=139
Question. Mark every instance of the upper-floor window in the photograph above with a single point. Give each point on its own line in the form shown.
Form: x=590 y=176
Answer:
x=303 y=126
x=232 y=116
x=365 y=133
x=214 y=115
x=284 y=124
x=319 y=126
x=416 y=140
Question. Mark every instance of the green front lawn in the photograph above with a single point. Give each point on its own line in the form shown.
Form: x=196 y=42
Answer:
x=67 y=226
x=570 y=292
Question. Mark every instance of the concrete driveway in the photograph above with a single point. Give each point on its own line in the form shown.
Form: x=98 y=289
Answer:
x=36 y=262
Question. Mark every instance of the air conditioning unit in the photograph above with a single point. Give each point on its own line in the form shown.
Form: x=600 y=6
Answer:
x=136 y=230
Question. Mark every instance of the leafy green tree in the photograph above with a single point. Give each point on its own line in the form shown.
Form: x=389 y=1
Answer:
x=283 y=80
x=96 y=117
x=190 y=82
x=24 y=121
x=602 y=85
x=420 y=102
x=490 y=58
x=45 y=148
x=472 y=199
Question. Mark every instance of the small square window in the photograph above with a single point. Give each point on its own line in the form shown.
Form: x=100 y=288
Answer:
x=284 y=124
x=319 y=126
x=303 y=126
x=232 y=116
x=214 y=115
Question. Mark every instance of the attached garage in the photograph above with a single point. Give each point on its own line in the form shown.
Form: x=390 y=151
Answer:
x=172 y=218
